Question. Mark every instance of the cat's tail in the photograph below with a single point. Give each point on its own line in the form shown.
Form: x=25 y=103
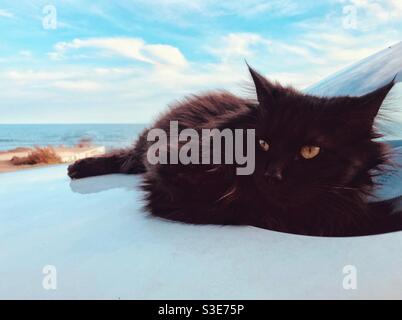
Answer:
x=127 y=161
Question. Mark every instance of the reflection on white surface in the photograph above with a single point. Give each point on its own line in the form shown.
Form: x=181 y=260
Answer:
x=104 y=183
x=104 y=246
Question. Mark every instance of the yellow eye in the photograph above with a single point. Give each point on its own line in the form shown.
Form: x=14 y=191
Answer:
x=309 y=152
x=264 y=145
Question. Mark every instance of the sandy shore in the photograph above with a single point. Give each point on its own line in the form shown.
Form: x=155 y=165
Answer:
x=67 y=154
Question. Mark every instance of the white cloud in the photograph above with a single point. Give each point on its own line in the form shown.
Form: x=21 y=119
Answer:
x=141 y=90
x=164 y=54
x=182 y=9
x=158 y=82
x=33 y=75
x=253 y=8
x=131 y=48
x=397 y=5
x=6 y=14
x=370 y=14
x=281 y=60
x=71 y=80
x=341 y=47
x=25 y=54
x=237 y=45
x=75 y=85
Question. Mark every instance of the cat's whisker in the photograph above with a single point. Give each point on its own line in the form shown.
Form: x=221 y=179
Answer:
x=228 y=194
x=338 y=187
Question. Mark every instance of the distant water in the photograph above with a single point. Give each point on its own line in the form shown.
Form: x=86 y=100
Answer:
x=109 y=135
x=28 y=135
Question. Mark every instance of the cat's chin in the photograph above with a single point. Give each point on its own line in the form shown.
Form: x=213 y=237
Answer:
x=282 y=198
x=282 y=202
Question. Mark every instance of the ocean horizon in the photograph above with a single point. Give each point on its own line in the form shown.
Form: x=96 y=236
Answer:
x=110 y=135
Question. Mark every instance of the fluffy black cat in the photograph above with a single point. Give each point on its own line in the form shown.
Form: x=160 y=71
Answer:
x=315 y=162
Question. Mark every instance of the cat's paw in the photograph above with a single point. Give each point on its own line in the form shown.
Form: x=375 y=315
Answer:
x=80 y=169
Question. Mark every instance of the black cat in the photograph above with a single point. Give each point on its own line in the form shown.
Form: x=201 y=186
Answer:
x=314 y=164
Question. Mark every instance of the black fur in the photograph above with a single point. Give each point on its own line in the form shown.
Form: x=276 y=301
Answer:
x=324 y=196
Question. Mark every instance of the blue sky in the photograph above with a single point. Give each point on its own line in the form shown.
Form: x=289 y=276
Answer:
x=124 y=61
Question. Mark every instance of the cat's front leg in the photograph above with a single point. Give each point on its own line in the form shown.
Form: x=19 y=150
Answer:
x=91 y=167
x=96 y=166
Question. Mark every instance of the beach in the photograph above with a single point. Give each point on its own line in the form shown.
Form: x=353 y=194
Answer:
x=65 y=154
x=69 y=142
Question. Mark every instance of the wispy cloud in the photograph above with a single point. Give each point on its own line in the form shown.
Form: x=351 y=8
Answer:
x=126 y=60
x=25 y=54
x=78 y=85
x=132 y=48
x=371 y=14
x=183 y=10
x=234 y=45
x=6 y=14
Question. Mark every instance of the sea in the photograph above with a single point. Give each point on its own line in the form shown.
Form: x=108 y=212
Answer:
x=111 y=136
x=29 y=135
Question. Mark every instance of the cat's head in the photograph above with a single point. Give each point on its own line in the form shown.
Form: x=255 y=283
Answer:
x=307 y=146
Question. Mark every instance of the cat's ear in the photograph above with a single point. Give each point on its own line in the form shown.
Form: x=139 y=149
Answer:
x=371 y=102
x=265 y=89
x=364 y=109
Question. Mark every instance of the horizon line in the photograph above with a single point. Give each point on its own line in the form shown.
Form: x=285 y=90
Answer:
x=67 y=123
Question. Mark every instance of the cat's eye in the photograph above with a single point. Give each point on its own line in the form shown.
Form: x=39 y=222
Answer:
x=310 y=152
x=264 y=145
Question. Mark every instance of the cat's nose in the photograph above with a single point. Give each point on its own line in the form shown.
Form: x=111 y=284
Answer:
x=273 y=174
